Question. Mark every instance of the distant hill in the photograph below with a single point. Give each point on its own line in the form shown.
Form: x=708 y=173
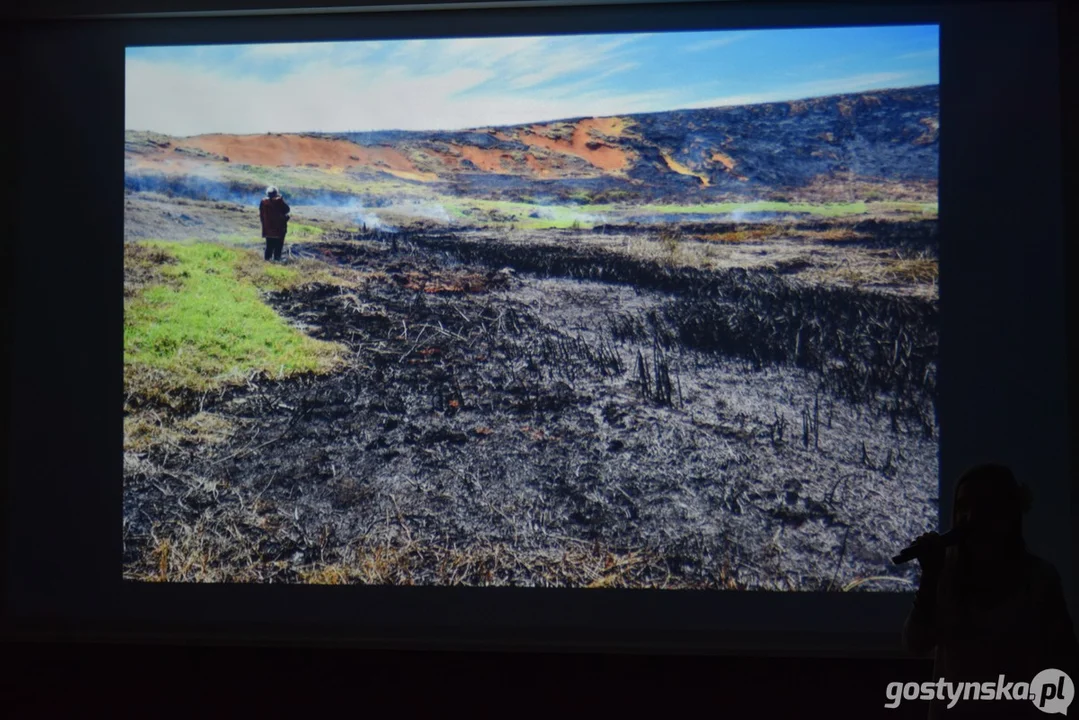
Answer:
x=886 y=139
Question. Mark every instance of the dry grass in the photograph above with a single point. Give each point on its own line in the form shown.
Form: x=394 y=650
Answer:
x=575 y=564
x=220 y=550
x=222 y=546
x=237 y=536
x=670 y=240
x=774 y=231
x=820 y=254
x=748 y=234
x=917 y=270
x=250 y=266
x=826 y=189
x=206 y=552
x=675 y=250
x=450 y=281
x=832 y=234
x=143 y=266
x=922 y=272
x=146 y=429
x=671 y=248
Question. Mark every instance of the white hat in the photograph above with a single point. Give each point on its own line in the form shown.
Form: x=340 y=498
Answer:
x=271 y=191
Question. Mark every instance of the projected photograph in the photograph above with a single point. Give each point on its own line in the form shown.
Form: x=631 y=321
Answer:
x=592 y=311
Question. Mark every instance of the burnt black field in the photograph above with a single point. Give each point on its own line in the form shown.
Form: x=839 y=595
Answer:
x=517 y=412
x=694 y=348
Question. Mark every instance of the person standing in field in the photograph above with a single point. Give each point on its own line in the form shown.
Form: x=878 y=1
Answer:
x=274 y=213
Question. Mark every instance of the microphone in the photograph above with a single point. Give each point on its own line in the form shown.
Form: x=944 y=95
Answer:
x=952 y=537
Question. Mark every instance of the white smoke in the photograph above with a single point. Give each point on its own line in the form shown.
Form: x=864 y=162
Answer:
x=738 y=215
x=431 y=211
x=590 y=219
x=370 y=221
x=744 y=213
x=543 y=213
x=348 y=208
x=563 y=212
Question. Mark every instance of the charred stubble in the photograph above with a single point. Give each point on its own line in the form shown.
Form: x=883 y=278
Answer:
x=673 y=428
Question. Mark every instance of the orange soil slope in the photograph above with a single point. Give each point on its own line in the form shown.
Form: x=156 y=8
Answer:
x=586 y=147
x=296 y=150
x=727 y=162
x=591 y=140
x=586 y=142
x=682 y=169
x=493 y=161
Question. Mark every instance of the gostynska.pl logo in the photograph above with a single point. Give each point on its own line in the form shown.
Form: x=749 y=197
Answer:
x=1051 y=691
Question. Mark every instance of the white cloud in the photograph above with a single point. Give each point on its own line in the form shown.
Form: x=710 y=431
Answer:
x=184 y=101
x=572 y=62
x=486 y=52
x=588 y=81
x=530 y=61
x=417 y=87
x=421 y=85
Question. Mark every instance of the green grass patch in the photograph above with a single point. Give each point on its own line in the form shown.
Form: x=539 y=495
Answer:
x=239 y=240
x=554 y=216
x=910 y=207
x=206 y=325
x=824 y=210
x=297 y=232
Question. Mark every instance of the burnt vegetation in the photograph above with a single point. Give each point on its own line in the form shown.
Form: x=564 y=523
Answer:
x=648 y=397
x=561 y=414
x=869 y=348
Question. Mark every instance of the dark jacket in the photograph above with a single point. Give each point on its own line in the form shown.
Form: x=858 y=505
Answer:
x=1026 y=630
x=274 y=214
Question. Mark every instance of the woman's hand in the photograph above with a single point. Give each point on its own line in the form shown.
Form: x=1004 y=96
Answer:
x=931 y=560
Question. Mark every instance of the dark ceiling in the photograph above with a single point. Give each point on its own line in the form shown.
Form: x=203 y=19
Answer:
x=82 y=8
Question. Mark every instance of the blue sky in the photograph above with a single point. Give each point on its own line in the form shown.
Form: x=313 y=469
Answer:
x=477 y=82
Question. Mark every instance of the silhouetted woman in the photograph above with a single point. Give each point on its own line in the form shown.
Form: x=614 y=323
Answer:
x=987 y=606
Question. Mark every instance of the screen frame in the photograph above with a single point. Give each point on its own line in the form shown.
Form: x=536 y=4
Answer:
x=85 y=604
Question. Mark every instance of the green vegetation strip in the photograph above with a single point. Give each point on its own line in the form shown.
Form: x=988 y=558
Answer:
x=206 y=325
x=825 y=210
x=584 y=214
x=565 y=216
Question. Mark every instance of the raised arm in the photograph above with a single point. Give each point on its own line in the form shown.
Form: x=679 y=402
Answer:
x=920 y=631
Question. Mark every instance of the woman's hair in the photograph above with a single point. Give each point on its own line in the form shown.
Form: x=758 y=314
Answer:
x=271 y=191
x=1013 y=497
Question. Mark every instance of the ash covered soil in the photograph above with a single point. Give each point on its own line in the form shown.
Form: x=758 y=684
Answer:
x=588 y=419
